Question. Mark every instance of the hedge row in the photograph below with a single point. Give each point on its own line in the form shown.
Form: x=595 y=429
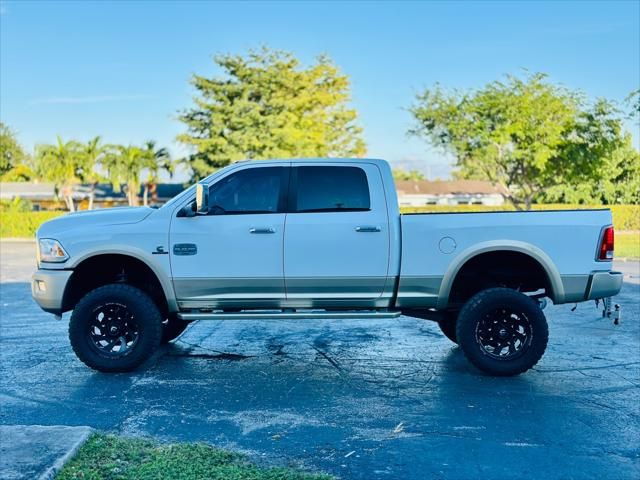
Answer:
x=625 y=217
x=23 y=224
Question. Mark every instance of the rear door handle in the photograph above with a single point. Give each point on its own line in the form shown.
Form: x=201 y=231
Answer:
x=368 y=228
x=262 y=230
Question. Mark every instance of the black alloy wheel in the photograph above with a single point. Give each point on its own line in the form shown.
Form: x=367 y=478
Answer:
x=115 y=328
x=502 y=331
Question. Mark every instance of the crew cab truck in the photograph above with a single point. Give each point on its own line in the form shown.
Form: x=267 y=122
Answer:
x=316 y=238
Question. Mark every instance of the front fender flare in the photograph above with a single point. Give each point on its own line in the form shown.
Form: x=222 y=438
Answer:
x=138 y=254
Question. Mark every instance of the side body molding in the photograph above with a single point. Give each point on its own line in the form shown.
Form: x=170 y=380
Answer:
x=557 y=294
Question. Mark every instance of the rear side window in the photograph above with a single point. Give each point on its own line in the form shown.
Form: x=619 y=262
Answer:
x=331 y=189
x=254 y=190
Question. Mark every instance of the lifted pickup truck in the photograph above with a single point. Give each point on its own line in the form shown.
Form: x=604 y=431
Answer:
x=316 y=238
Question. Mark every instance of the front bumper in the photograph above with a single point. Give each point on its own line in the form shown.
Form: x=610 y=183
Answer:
x=47 y=289
x=603 y=285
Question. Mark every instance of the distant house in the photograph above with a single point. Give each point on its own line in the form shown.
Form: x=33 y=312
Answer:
x=417 y=193
x=43 y=195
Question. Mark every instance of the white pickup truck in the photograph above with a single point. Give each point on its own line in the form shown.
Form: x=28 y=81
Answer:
x=316 y=238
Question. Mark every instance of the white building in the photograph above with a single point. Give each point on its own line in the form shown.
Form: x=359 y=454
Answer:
x=417 y=193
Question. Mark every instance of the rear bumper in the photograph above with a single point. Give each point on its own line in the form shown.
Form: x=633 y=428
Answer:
x=47 y=289
x=603 y=284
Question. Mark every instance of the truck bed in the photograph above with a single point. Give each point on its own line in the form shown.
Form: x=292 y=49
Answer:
x=436 y=245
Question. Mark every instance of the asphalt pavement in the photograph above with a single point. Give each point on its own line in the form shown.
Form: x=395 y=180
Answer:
x=359 y=399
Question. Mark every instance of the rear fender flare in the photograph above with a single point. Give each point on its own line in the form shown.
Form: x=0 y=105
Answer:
x=557 y=293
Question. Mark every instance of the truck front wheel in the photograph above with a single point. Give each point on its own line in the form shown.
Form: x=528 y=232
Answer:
x=115 y=328
x=502 y=332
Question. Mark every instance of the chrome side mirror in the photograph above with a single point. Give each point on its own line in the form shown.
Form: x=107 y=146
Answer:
x=202 y=198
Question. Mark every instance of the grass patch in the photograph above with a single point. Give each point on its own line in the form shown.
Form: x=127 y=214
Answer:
x=108 y=457
x=627 y=245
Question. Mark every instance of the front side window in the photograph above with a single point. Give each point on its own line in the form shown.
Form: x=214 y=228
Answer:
x=254 y=190
x=331 y=189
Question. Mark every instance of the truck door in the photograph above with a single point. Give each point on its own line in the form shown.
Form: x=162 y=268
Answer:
x=232 y=257
x=336 y=245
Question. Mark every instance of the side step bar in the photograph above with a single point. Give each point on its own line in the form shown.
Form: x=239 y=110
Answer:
x=287 y=315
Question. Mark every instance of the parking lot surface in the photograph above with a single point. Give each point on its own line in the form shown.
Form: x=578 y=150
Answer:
x=356 y=398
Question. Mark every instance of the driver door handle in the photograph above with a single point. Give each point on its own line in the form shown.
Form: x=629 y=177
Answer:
x=262 y=230
x=368 y=228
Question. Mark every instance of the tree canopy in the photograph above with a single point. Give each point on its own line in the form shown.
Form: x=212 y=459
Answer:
x=526 y=134
x=402 y=174
x=63 y=164
x=268 y=106
x=125 y=166
x=618 y=183
x=14 y=161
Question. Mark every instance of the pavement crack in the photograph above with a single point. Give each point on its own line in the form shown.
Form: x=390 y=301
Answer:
x=329 y=359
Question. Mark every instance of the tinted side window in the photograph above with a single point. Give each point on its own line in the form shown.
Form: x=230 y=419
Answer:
x=329 y=189
x=254 y=190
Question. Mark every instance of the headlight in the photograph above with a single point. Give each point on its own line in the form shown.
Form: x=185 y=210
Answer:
x=50 y=250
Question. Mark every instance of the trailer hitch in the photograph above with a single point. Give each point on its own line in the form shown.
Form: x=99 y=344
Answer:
x=608 y=312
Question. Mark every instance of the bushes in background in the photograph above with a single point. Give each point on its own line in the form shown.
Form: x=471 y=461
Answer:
x=16 y=224
x=16 y=221
x=625 y=217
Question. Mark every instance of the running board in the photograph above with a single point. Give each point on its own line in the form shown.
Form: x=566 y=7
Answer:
x=286 y=315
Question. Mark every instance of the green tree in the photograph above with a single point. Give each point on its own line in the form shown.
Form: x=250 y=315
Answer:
x=619 y=182
x=14 y=161
x=92 y=154
x=401 y=174
x=159 y=159
x=268 y=106
x=525 y=134
x=125 y=166
x=64 y=164
x=633 y=102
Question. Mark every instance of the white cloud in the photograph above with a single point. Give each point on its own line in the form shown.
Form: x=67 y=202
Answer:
x=87 y=99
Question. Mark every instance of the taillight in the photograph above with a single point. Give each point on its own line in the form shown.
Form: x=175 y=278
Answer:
x=605 y=251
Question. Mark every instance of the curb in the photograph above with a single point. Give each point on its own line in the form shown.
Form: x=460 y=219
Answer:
x=59 y=464
x=38 y=451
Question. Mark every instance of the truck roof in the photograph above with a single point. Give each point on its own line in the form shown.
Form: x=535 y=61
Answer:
x=318 y=159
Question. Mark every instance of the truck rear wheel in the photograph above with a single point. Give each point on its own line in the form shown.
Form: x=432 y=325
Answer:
x=115 y=328
x=448 y=324
x=502 y=332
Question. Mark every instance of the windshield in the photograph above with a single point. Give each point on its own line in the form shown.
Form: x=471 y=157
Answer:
x=187 y=192
x=191 y=190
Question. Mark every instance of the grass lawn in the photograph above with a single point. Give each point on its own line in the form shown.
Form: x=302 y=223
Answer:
x=110 y=457
x=627 y=245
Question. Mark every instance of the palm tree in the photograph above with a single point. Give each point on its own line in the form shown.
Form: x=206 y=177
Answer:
x=159 y=159
x=61 y=164
x=124 y=164
x=93 y=153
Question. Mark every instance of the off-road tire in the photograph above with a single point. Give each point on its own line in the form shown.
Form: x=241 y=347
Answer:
x=488 y=305
x=448 y=325
x=142 y=309
x=172 y=328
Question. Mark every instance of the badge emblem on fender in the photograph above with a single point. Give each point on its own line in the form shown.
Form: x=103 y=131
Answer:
x=185 y=249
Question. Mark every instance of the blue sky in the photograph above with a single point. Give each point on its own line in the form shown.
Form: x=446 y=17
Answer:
x=121 y=69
